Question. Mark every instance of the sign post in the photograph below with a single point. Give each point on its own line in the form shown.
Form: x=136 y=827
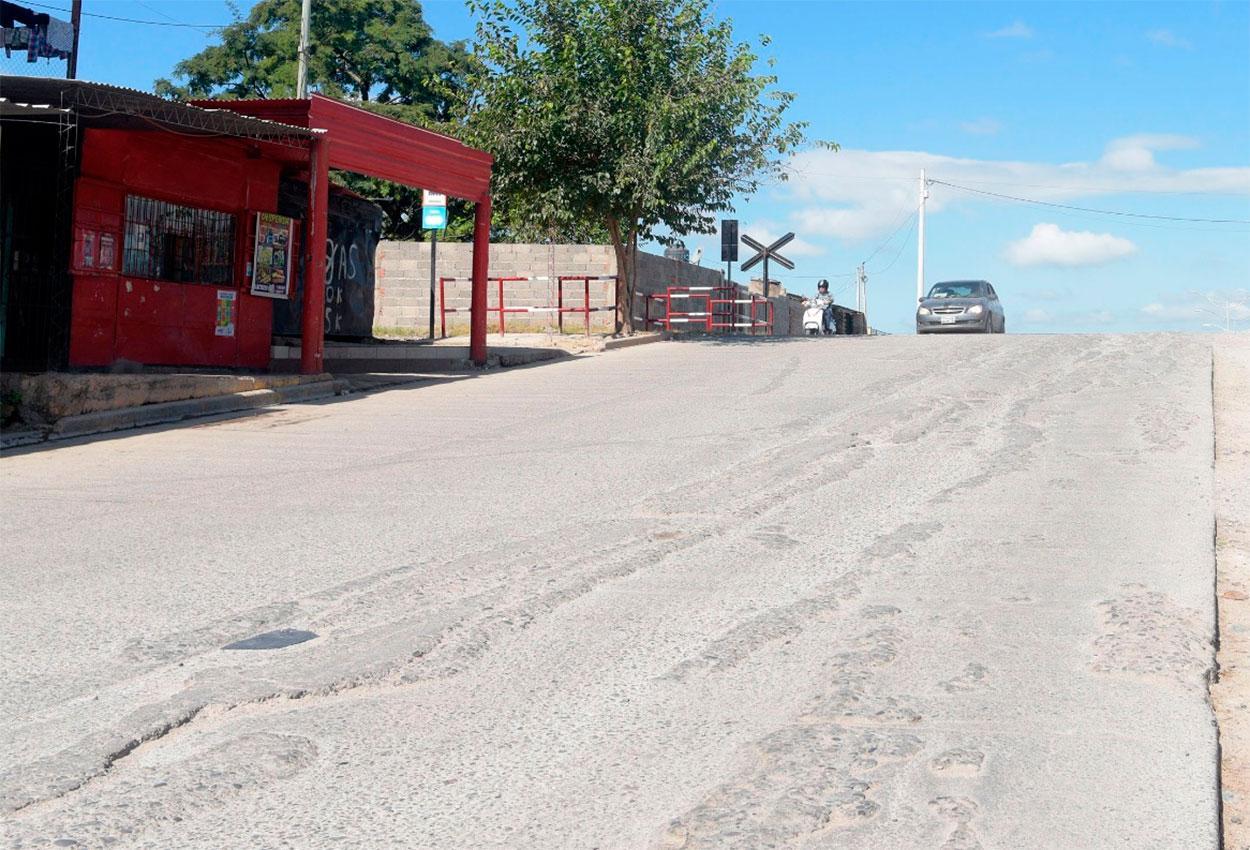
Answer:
x=764 y=252
x=433 y=219
x=729 y=246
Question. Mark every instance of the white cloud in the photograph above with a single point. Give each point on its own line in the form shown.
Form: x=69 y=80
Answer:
x=1069 y=321
x=1050 y=245
x=857 y=195
x=981 y=127
x=1216 y=308
x=1049 y=294
x=1098 y=317
x=1167 y=38
x=768 y=232
x=1016 y=29
x=1136 y=153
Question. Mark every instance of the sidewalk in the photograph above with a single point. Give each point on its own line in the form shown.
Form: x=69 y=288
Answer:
x=1230 y=693
x=59 y=406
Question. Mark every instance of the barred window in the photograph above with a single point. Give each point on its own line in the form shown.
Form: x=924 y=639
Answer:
x=166 y=241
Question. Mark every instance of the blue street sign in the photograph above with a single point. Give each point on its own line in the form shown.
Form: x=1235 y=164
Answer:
x=434 y=218
x=433 y=210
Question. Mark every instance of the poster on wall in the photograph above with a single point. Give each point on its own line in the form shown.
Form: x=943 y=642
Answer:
x=271 y=268
x=225 y=312
x=108 y=251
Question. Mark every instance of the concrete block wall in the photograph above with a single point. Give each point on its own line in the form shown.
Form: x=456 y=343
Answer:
x=401 y=300
x=402 y=296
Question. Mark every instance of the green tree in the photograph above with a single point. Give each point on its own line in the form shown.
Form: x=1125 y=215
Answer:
x=378 y=53
x=640 y=117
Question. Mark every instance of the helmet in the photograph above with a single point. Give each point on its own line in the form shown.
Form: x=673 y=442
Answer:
x=823 y=286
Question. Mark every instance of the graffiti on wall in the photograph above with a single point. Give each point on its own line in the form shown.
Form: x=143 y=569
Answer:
x=354 y=227
x=349 y=285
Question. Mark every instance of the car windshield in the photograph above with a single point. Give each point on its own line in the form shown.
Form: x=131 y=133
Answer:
x=974 y=289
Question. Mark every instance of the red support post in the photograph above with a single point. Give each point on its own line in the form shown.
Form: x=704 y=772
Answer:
x=586 y=305
x=312 y=321
x=481 y=260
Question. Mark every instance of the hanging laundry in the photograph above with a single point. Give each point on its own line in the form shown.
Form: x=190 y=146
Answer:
x=40 y=35
x=15 y=38
x=60 y=37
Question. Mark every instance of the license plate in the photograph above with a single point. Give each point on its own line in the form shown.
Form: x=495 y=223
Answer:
x=946 y=320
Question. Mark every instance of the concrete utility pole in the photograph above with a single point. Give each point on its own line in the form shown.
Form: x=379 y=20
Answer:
x=924 y=195
x=301 y=82
x=861 y=293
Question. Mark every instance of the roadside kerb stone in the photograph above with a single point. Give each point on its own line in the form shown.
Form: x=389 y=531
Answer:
x=158 y=414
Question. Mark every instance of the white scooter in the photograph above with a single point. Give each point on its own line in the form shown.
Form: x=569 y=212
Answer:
x=814 y=323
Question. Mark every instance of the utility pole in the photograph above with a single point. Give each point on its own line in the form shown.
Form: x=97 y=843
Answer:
x=861 y=294
x=924 y=195
x=301 y=81
x=75 y=21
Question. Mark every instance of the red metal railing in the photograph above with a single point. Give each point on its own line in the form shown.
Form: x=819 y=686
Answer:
x=502 y=310
x=722 y=309
x=752 y=320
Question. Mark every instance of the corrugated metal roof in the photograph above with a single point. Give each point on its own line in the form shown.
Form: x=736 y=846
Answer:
x=104 y=105
x=379 y=146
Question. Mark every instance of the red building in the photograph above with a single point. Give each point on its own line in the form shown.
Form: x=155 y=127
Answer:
x=151 y=209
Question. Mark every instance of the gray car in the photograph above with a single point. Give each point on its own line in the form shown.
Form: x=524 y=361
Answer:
x=961 y=306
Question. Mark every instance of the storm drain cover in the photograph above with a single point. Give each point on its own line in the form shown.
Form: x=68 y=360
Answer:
x=272 y=640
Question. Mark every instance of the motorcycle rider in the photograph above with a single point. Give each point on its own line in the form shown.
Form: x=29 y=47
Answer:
x=825 y=301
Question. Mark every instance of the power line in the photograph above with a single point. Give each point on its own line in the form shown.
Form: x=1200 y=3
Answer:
x=901 y=246
x=159 y=12
x=1089 y=210
x=1079 y=188
x=135 y=20
x=1103 y=190
x=893 y=233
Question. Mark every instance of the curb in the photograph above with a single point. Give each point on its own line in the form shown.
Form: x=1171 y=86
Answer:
x=631 y=341
x=506 y=359
x=106 y=421
x=163 y=413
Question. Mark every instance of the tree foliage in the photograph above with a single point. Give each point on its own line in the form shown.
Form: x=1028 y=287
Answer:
x=378 y=53
x=642 y=118
x=364 y=50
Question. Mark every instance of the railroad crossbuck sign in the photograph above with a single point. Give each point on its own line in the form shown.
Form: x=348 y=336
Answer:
x=763 y=253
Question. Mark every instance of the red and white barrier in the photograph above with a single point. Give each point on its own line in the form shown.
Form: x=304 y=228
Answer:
x=503 y=310
x=717 y=313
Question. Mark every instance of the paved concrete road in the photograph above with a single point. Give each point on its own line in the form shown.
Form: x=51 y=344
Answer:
x=887 y=593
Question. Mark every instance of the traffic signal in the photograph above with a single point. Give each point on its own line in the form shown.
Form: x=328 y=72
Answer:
x=729 y=240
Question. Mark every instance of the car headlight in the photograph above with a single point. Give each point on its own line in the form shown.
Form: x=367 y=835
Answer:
x=923 y=311
x=976 y=309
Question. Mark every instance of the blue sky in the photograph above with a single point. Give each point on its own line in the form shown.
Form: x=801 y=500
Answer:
x=1132 y=107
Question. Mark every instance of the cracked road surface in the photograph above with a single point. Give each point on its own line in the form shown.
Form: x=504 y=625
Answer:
x=877 y=593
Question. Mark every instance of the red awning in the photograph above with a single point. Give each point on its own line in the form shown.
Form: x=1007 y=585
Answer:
x=377 y=146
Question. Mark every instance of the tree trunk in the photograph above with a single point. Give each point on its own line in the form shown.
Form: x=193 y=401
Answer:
x=625 y=245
